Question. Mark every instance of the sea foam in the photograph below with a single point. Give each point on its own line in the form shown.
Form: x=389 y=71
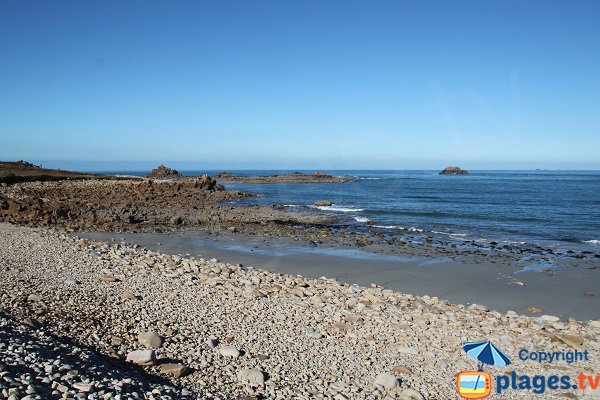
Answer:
x=338 y=209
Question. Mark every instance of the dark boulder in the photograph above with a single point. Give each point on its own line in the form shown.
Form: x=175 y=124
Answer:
x=454 y=171
x=163 y=172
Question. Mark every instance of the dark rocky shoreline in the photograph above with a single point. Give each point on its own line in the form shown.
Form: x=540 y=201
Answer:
x=189 y=203
x=297 y=177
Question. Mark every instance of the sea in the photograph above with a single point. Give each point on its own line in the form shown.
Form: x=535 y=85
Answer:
x=544 y=207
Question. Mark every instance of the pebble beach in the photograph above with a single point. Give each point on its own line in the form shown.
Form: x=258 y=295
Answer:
x=85 y=319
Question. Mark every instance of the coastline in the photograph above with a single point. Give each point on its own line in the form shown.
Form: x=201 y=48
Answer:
x=308 y=338
x=567 y=290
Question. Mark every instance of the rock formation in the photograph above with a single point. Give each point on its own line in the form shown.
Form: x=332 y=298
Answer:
x=163 y=172
x=454 y=171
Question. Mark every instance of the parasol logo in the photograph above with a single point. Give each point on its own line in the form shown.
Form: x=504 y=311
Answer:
x=477 y=384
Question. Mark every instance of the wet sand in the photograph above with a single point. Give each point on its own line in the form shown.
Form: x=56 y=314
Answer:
x=567 y=291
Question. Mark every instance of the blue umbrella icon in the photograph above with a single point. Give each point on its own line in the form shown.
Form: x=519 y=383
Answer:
x=486 y=353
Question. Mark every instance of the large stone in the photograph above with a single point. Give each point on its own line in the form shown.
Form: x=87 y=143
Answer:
x=386 y=381
x=176 y=370
x=401 y=369
x=229 y=351
x=150 y=339
x=142 y=357
x=323 y=203
x=251 y=376
x=571 y=340
x=549 y=318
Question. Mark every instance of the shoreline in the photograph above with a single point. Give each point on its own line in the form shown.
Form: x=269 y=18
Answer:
x=302 y=337
x=565 y=291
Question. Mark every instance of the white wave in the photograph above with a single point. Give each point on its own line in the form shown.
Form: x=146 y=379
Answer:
x=338 y=209
x=369 y=178
x=592 y=241
x=386 y=226
x=360 y=219
x=292 y=205
x=413 y=229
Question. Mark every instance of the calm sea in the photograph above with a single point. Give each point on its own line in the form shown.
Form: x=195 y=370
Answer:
x=547 y=207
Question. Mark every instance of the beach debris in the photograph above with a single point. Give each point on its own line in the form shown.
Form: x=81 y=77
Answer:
x=534 y=310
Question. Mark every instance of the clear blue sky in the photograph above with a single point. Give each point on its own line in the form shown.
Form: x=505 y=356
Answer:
x=301 y=84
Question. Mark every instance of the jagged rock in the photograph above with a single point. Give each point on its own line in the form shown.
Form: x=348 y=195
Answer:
x=204 y=182
x=163 y=172
x=323 y=203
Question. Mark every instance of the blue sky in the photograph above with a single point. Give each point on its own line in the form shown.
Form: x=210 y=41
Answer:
x=301 y=84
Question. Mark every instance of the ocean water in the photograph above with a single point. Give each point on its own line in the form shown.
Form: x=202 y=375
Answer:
x=544 y=207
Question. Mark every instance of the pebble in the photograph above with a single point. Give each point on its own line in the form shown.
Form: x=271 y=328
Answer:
x=386 y=381
x=229 y=351
x=142 y=357
x=312 y=338
x=150 y=339
x=251 y=376
x=176 y=370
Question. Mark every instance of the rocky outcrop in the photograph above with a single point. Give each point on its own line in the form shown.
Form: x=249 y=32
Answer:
x=23 y=171
x=163 y=172
x=296 y=177
x=205 y=182
x=454 y=171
